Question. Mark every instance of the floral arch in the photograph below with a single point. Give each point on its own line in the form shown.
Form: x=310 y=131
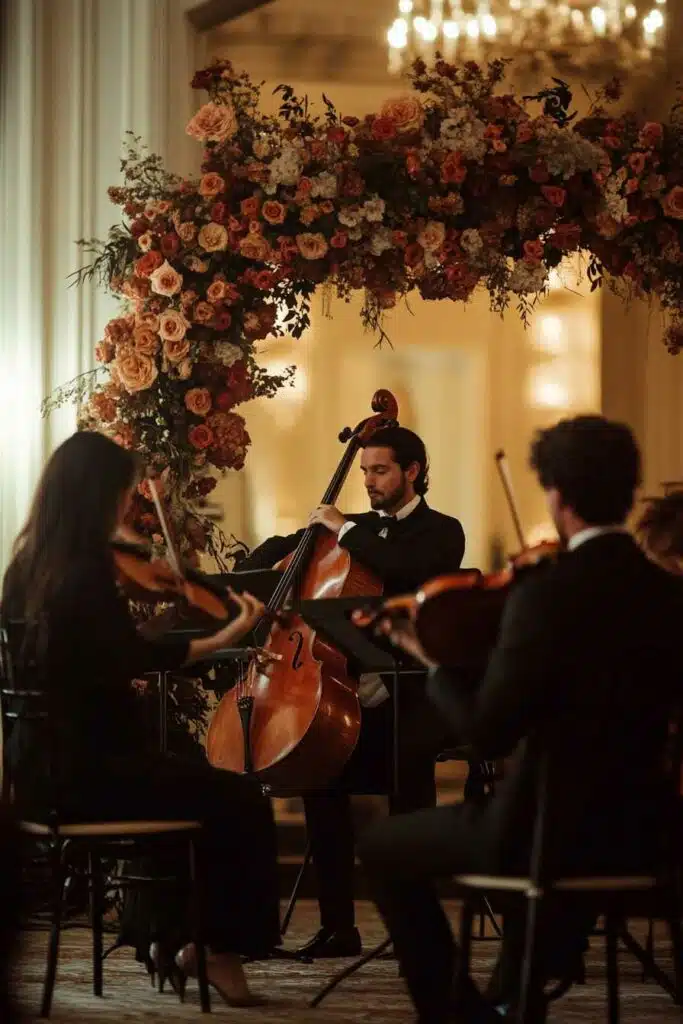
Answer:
x=454 y=186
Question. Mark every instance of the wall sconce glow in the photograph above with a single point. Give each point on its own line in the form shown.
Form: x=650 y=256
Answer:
x=546 y=390
x=550 y=334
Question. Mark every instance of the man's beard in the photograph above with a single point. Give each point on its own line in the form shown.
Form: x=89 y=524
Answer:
x=380 y=503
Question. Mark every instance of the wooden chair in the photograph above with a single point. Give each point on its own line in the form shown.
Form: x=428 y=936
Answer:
x=23 y=699
x=616 y=898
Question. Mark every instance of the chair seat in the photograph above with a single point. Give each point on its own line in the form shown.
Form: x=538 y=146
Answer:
x=597 y=883
x=109 y=828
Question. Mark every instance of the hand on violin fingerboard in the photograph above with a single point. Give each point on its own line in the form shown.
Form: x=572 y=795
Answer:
x=327 y=516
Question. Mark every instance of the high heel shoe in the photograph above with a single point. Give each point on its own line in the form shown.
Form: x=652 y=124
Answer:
x=186 y=961
x=161 y=964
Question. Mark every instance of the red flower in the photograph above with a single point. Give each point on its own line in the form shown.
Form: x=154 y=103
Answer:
x=222 y=320
x=339 y=240
x=264 y=280
x=413 y=255
x=336 y=134
x=539 y=172
x=170 y=244
x=200 y=436
x=533 y=250
x=148 y=263
x=220 y=213
x=567 y=237
x=139 y=226
x=554 y=194
x=452 y=169
x=383 y=128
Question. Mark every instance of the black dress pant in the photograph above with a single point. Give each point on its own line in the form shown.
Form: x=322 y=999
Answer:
x=238 y=847
x=329 y=823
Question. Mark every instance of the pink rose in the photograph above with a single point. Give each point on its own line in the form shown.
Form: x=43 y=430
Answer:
x=198 y=401
x=165 y=280
x=214 y=122
x=172 y=325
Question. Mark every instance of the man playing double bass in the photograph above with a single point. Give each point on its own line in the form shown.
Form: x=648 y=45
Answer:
x=405 y=543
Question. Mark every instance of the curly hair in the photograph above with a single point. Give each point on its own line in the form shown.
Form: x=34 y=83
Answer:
x=660 y=528
x=593 y=462
x=407 y=448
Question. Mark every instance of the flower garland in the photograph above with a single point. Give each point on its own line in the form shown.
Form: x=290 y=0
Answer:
x=453 y=186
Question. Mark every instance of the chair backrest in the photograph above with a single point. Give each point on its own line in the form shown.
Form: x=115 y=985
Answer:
x=540 y=871
x=22 y=698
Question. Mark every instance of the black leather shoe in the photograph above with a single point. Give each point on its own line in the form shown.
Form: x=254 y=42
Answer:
x=328 y=944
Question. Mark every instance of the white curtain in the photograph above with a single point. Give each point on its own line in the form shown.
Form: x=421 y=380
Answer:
x=75 y=76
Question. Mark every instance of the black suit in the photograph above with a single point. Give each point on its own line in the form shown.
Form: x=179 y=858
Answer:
x=418 y=547
x=588 y=660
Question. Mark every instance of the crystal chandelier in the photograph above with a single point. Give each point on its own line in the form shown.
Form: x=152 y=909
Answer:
x=564 y=35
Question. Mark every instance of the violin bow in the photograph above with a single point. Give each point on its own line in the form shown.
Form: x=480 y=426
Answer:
x=170 y=547
x=506 y=480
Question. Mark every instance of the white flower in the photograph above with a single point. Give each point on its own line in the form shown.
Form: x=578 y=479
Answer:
x=380 y=241
x=285 y=169
x=527 y=277
x=373 y=209
x=464 y=133
x=228 y=353
x=471 y=241
x=324 y=186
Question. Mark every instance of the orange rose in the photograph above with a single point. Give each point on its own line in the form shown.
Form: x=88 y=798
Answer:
x=145 y=341
x=104 y=352
x=213 y=237
x=203 y=312
x=148 y=320
x=103 y=407
x=214 y=122
x=198 y=401
x=273 y=212
x=185 y=369
x=120 y=329
x=217 y=291
x=137 y=372
x=148 y=263
x=312 y=246
x=249 y=207
x=672 y=203
x=211 y=184
x=172 y=325
x=176 y=349
x=405 y=112
x=165 y=280
x=255 y=247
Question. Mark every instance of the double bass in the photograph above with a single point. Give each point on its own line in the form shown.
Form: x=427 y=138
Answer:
x=294 y=724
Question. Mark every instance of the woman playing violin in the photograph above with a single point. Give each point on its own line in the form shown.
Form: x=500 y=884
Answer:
x=78 y=633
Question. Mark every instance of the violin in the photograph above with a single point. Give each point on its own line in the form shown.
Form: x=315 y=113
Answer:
x=147 y=578
x=456 y=617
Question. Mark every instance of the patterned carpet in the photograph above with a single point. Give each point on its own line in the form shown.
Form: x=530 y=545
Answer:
x=375 y=994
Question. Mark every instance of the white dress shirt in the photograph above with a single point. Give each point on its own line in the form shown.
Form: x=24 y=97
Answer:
x=371 y=690
x=592 y=531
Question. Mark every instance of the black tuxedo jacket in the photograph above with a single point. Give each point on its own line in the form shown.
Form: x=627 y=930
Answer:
x=586 y=669
x=420 y=546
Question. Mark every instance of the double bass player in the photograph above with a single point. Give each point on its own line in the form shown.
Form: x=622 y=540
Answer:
x=404 y=542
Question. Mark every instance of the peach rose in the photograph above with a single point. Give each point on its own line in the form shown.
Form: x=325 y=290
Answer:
x=198 y=401
x=119 y=330
x=145 y=341
x=145 y=241
x=203 y=312
x=672 y=203
x=432 y=236
x=254 y=247
x=273 y=212
x=148 y=320
x=312 y=246
x=172 y=325
x=533 y=250
x=217 y=291
x=211 y=184
x=103 y=407
x=405 y=112
x=213 y=237
x=185 y=369
x=104 y=352
x=187 y=231
x=214 y=122
x=136 y=371
x=165 y=280
x=176 y=349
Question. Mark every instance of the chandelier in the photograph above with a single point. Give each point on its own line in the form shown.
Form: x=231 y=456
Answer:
x=564 y=35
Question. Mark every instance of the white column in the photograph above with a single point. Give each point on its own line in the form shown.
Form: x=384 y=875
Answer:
x=76 y=75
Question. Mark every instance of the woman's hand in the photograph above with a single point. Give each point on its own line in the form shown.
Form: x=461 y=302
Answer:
x=250 y=611
x=402 y=634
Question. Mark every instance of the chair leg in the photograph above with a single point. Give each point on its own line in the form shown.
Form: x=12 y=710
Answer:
x=532 y=1004
x=674 y=926
x=295 y=891
x=611 y=946
x=96 y=915
x=196 y=916
x=649 y=947
x=57 y=881
x=462 y=967
x=346 y=972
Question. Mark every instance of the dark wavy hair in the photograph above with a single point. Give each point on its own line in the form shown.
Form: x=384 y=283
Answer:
x=407 y=448
x=72 y=517
x=660 y=527
x=593 y=462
